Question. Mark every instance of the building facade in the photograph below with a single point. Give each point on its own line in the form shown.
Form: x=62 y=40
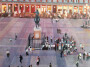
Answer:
x=54 y=6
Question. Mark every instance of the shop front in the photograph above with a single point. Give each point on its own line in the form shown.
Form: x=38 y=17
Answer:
x=9 y=8
x=75 y=9
x=49 y=8
x=3 y=8
x=21 y=7
x=32 y=8
x=59 y=8
x=70 y=9
x=43 y=8
x=65 y=9
x=80 y=9
x=54 y=8
x=38 y=8
x=27 y=8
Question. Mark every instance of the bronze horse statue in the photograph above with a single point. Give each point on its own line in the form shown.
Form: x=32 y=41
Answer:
x=37 y=19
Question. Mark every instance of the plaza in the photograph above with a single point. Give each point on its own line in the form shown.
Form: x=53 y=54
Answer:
x=10 y=26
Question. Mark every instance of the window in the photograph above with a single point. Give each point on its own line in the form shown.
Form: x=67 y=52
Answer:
x=70 y=1
x=86 y=1
x=60 y=1
x=27 y=0
x=49 y=0
x=65 y=1
x=9 y=0
x=37 y=0
x=14 y=0
x=21 y=0
x=75 y=1
x=43 y=0
x=54 y=0
x=80 y=1
x=4 y=0
x=32 y=0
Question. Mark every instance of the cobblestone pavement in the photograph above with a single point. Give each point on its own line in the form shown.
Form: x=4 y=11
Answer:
x=23 y=26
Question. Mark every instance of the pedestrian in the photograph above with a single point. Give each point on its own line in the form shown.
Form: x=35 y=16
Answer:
x=38 y=60
x=30 y=65
x=10 y=40
x=83 y=56
x=27 y=52
x=61 y=53
x=51 y=39
x=15 y=36
x=30 y=49
x=21 y=58
x=8 y=53
x=79 y=56
x=50 y=65
x=77 y=63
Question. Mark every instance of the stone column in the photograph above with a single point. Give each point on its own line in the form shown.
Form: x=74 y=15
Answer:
x=51 y=8
x=73 y=10
x=35 y=8
x=62 y=9
x=68 y=8
x=29 y=8
x=1 y=7
x=78 y=10
x=18 y=8
x=83 y=9
x=7 y=8
x=24 y=8
x=46 y=7
x=12 y=8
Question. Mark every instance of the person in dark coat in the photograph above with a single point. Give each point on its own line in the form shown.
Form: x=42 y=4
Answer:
x=50 y=65
x=15 y=36
x=27 y=52
x=61 y=53
x=38 y=60
x=77 y=63
x=83 y=56
x=8 y=53
x=21 y=58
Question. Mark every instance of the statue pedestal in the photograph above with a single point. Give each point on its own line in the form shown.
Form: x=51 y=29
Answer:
x=37 y=33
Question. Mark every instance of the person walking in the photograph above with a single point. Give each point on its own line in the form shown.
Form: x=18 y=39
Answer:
x=15 y=36
x=8 y=53
x=38 y=60
x=27 y=52
x=77 y=63
x=61 y=53
x=51 y=39
x=83 y=56
x=50 y=65
x=21 y=58
x=30 y=49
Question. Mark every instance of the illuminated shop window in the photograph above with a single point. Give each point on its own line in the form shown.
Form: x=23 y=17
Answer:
x=60 y=1
x=43 y=0
x=54 y=0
